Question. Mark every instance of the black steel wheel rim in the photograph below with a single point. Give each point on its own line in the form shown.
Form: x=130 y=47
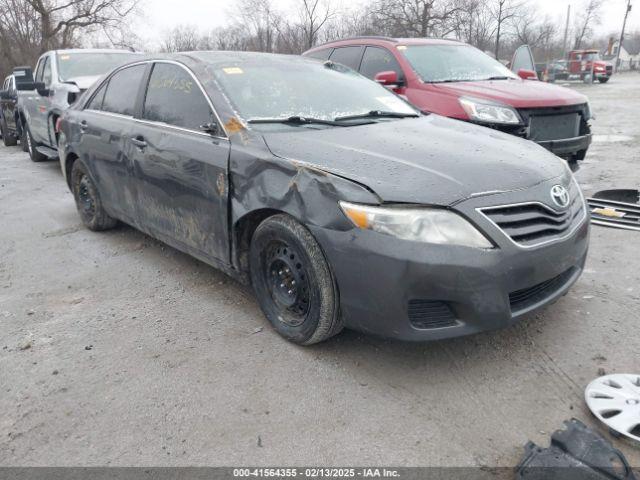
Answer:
x=85 y=197
x=288 y=282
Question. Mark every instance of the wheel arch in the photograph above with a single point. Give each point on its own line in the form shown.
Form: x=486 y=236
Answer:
x=69 y=160
x=242 y=233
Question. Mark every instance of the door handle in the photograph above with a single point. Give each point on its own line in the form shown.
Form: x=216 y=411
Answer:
x=139 y=142
x=83 y=126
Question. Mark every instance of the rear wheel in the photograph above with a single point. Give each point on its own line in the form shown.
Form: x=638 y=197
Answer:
x=293 y=281
x=35 y=155
x=7 y=138
x=603 y=79
x=88 y=201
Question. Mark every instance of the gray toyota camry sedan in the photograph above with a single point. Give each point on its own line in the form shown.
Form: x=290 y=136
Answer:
x=338 y=202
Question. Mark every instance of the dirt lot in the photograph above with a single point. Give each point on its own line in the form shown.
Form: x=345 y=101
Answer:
x=118 y=350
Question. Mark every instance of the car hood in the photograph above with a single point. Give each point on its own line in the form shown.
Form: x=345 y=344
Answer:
x=517 y=93
x=430 y=160
x=85 y=82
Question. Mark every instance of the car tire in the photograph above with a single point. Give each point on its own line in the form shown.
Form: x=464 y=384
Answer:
x=23 y=139
x=31 y=144
x=88 y=201
x=603 y=80
x=293 y=281
x=7 y=140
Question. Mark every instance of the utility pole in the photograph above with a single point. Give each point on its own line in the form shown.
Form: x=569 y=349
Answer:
x=566 y=33
x=624 y=24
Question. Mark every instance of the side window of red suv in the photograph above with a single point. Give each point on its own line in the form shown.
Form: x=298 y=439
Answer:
x=376 y=60
x=347 y=56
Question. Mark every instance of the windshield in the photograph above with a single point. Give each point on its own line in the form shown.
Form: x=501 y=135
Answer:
x=453 y=63
x=304 y=89
x=592 y=56
x=73 y=65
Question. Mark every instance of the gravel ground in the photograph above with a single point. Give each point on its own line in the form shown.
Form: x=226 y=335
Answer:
x=118 y=350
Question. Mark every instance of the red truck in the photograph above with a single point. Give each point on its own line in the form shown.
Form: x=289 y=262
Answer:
x=588 y=62
x=456 y=80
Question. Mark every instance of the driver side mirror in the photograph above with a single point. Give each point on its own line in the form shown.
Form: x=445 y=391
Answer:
x=42 y=89
x=210 y=128
x=387 y=78
x=527 y=74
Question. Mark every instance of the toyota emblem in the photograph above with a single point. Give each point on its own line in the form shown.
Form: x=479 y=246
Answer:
x=560 y=196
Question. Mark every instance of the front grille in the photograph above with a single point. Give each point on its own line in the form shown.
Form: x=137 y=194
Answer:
x=528 y=297
x=532 y=224
x=543 y=128
x=554 y=123
x=429 y=314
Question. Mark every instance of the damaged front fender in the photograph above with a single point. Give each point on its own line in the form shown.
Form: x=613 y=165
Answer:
x=262 y=185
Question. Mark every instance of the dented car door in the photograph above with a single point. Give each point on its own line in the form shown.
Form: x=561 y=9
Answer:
x=105 y=126
x=180 y=164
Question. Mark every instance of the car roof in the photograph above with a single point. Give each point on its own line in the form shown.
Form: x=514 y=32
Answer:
x=93 y=50
x=224 y=58
x=375 y=40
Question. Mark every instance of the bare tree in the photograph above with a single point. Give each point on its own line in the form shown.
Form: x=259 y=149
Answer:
x=182 y=38
x=503 y=12
x=260 y=21
x=30 y=27
x=589 y=17
x=474 y=23
x=61 y=20
x=314 y=14
x=414 y=18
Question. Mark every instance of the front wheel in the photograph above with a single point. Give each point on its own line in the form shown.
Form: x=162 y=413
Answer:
x=34 y=154
x=293 y=281
x=88 y=200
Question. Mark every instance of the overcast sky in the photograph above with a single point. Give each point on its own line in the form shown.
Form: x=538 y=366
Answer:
x=161 y=15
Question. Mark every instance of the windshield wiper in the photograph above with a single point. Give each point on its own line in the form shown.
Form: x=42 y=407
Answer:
x=377 y=114
x=498 y=78
x=296 y=120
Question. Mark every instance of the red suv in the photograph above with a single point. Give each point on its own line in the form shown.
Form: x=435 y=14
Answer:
x=456 y=80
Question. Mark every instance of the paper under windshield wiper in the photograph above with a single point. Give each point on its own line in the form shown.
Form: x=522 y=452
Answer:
x=296 y=120
x=377 y=114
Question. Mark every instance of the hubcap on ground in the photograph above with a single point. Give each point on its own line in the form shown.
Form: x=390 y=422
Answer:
x=87 y=203
x=615 y=400
x=288 y=284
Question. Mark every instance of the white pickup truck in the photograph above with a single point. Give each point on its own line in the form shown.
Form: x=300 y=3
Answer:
x=61 y=76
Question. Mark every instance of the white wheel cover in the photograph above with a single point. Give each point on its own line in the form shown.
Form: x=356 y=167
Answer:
x=615 y=400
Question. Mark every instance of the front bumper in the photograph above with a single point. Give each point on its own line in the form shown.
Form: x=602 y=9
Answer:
x=379 y=277
x=567 y=146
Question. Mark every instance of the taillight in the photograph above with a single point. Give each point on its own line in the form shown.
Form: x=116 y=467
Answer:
x=59 y=125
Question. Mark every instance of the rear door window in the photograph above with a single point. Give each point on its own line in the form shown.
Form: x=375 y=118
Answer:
x=98 y=98
x=347 y=56
x=122 y=92
x=173 y=97
x=320 y=54
x=376 y=60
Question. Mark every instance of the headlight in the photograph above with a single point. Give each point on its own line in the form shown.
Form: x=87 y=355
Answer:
x=588 y=114
x=428 y=225
x=486 y=111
